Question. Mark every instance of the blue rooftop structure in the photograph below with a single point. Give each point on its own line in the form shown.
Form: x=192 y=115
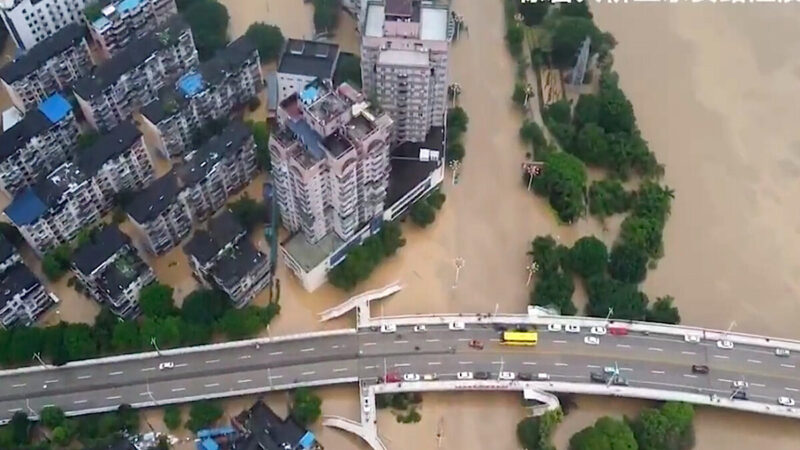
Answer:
x=26 y=208
x=55 y=108
x=191 y=84
x=209 y=444
x=308 y=440
x=126 y=5
x=101 y=23
x=309 y=94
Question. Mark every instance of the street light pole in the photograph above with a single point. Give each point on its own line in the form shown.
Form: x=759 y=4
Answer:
x=454 y=166
x=532 y=268
x=459 y=262
x=38 y=358
x=610 y=312
x=155 y=345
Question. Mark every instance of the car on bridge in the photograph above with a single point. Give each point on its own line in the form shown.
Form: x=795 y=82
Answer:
x=699 y=368
x=392 y=378
x=456 y=326
x=618 y=331
x=739 y=395
x=785 y=401
x=619 y=381
x=388 y=328
x=430 y=377
x=482 y=375
x=599 y=331
x=782 y=352
x=508 y=376
x=525 y=376
x=740 y=384
x=597 y=377
x=725 y=344
x=419 y=328
x=572 y=328
x=476 y=344
x=166 y=365
x=554 y=327
x=410 y=377
x=692 y=338
x=464 y=375
x=591 y=340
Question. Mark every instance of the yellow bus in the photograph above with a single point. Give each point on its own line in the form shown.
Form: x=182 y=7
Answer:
x=520 y=338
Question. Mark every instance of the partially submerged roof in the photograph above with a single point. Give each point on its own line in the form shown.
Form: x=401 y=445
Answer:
x=200 y=162
x=150 y=202
x=108 y=146
x=237 y=262
x=205 y=245
x=42 y=52
x=309 y=58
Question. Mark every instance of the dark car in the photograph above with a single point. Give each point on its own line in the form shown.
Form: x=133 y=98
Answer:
x=481 y=375
x=697 y=368
x=619 y=381
x=524 y=376
x=740 y=395
x=597 y=377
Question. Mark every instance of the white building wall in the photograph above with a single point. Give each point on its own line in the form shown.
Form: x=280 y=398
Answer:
x=29 y=24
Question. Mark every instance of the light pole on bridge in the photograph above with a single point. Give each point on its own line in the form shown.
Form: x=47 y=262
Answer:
x=155 y=345
x=459 y=262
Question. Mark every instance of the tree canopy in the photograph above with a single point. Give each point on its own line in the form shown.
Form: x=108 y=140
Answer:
x=249 y=212
x=534 y=433
x=326 y=15
x=667 y=428
x=204 y=306
x=555 y=290
x=606 y=434
x=567 y=36
x=625 y=299
x=268 y=39
x=608 y=197
x=156 y=300
x=208 y=20
x=362 y=259
x=172 y=417
x=306 y=406
x=203 y=414
x=588 y=257
x=663 y=311
x=563 y=181
x=348 y=70
x=628 y=263
x=533 y=12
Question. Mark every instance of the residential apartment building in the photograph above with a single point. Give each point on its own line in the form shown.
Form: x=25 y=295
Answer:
x=112 y=272
x=330 y=166
x=222 y=84
x=404 y=57
x=118 y=162
x=261 y=428
x=32 y=21
x=23 y=299
x=210 y=174
x=222 y=257
x=48 y=67
x=133 y=77
x=125 y=21
x=41 y=141
x=159 y=215
x=303 y=62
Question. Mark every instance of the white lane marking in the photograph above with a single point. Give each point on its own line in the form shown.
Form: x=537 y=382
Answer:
x=592 y=366
x=401 y=342
x=275 y=377
x=115 y=373
x=623 y=346
x=463 y=339
x=178 y=389
x=275 y=353
x=688 y=353
x=15 y=410
x=212 y=361
x=310 y=372
x=310 y=349
x=144 y=394
x=340 y=369
x=247 y=380
x=561 y=364
x=367 y=344
x=627 y=369
x=559 y=342
x=147 y=369
x=529 y=363
x=567 y=376
x=657 y=372
x=688 y=375
x=181 y=365
x=497 y=362
x=789 y=366
x=48 y=405
x=720 y=356
x=245 y=357
x=79 y=402
x=114 y=397
x=50 y=381
x=402 y=364
x=465 y=362
x=655 y=349
x=724 y=380
x=84 y=377
x=337 y=346
x=434 y=363
x=370 y=367
x=431 y=340
x=792 y=389
x=494 y=340
x=757 y=385
x=20 y=385
x=754 y=361
x=210 y=385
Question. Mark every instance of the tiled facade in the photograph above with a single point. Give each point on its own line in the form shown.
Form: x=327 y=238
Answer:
x=48 y=67
x=133 y=77
x=125 y=21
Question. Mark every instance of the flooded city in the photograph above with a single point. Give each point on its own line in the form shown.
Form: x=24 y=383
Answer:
x=715 y=88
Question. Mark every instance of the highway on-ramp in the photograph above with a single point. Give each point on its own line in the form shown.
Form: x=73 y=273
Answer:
x=645 y=360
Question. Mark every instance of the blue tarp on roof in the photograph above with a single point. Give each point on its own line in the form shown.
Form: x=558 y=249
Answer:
x=101 y=23
x=190 y=84
x=25 y=208
x=55 y=108
x=309 y=95
x=209 y=444
x=125 y=5
x=211 y=432
x=308 y=439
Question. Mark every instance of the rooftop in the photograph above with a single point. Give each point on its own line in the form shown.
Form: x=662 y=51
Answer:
x=395 y=57
x=315 y=59
x=323 y=104
x=150 y=202
x=434 y=24
x=360 y=127
x=337 y=144
x=108 y=146
x=406 y=174
x=399 y=8
x=33 y=124
x=30 y=204
x=116 y=277
x=131 y=56
x=17 y=279
x=307 y=255
x=166 y=105
x=190 y=84
x=6 y=249
x=237 y=262
x=373 y=25
x=102 y=245
x=40 y=53
x=223 y=229
x=227 y=60
x=200 y=162
x=267 y=431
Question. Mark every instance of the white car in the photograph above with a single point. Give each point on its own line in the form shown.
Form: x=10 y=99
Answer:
x=456 y=326
x=388 y=328
x=609 y=369
x=506 y=375
x=725 y=344
x=419 y=328
x=553 y=327
x=741 y=384
x=600 y=331
x=692 y=338
x=591 y=340
x=785 y=401
x=543 y=376
x=430 y=377
x=464 y=375
x=410 y=377
x=781 y=352
x=166 y=365
x=573 y=328
x=366 y=404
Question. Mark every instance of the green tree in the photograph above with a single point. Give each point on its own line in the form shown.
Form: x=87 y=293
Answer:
x=306 y=406
x=455 y=151
x=202 y=414
x=591 y=145
x=563 y=181
x=64 y=434
x=547 y=254
x=518 y=95
x=172 y=417
x=261 y=139
x=567 y=37
x=54 y=345
x=663 y=311
x=326 y=15
x=165 y=330
x=608 y=197
x=588 y=257
x=208 y=20
x=57 y=261
x=575 y=10
x=533 y=12
x=194 y=333
x=156 y=300
x=554 y=289
x=436 y=199
x=348 y=70
x=249 y=212
x=560 y=112
x=422 y=213
x=667 y=428
x=240 y=323
x=126 y=337
x=587 y=110
x=104 y=323
x=79 y=342
x=653 y=200
x=531 y=133
x=268 y=39
x=204 y=306
x=51 y=416
x=534 y=433
x=514 y=36
x=643 y=232
x=25 y=342
x=628 y=263
x=625 y=299
x=391 y=237
x=616 y=111
x=606 y=434
x=20 y=427
x=457 y=123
